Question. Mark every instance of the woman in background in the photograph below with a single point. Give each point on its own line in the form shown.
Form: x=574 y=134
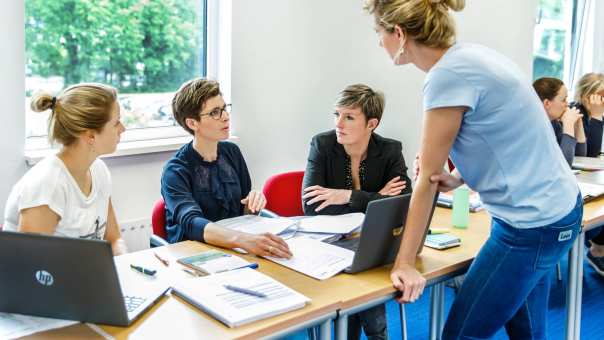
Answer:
x=566 y=121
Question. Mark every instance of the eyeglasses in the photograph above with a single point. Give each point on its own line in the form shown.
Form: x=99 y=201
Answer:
x=216 y=114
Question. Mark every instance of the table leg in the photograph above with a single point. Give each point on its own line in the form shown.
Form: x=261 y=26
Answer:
x=579 y=280
x=325 y=330
x=571 y=289
x=437 y=310
x=342 y=327
x=403 y=321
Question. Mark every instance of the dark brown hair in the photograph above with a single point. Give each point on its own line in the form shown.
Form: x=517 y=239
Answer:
x=547 y=88
x=190 y=98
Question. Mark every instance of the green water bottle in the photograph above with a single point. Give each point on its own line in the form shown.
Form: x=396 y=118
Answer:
x=461 y=207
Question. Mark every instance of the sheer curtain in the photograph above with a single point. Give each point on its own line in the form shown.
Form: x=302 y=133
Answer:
x=587 y=45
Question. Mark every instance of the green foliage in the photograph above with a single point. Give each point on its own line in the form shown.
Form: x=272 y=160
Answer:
x=134 y=45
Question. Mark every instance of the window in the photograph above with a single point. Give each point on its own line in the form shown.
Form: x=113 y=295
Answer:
x=144 y=48
x=552 y=39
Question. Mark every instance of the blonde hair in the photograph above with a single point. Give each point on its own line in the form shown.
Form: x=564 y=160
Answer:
x=190 y=98
x=589 y=84
x=428 y=22
x=362 y=96
x=76 y=109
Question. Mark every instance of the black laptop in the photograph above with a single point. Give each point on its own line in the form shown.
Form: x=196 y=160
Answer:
x=381 y=233
x=67 y=278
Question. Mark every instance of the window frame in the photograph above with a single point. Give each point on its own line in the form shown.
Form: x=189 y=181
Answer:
x=216 y=65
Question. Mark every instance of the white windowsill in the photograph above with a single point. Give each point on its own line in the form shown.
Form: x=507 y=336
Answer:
x=125 y=148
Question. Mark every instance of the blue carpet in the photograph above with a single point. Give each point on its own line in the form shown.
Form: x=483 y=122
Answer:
x=592 y=313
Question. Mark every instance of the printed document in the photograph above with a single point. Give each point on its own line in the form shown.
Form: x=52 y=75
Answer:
x=315 y=258
x=232 y=308
x=336 y=224
x=254 y=224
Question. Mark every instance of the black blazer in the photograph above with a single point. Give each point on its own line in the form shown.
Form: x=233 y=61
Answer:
x=327 y=167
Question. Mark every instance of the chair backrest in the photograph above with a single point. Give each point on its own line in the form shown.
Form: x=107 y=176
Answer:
x=284 y=193
x=158 y=218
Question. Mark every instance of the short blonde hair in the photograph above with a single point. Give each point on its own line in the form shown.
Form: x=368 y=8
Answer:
x=190 y=98
x=363 y=97
x=76 y=109
x=589 y=84
x=428 y=22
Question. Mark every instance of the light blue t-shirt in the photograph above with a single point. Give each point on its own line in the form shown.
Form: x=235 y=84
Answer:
x=505 y=149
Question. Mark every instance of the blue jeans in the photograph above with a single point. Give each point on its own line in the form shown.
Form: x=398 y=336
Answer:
x=509 y=281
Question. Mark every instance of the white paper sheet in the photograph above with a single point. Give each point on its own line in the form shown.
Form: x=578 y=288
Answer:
x=591 y=190
x=254 y=224
x=316 y=259
x=233 y=308
x=16 y=325
x=337 y=224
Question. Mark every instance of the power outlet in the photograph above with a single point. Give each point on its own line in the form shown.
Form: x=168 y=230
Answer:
x=136 y=233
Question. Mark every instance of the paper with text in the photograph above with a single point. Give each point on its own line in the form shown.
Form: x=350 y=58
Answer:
x=232 y=308
x=337 y=224
x=316 y=259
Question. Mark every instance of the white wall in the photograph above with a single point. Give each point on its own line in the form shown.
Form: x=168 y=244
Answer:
x=290 y=58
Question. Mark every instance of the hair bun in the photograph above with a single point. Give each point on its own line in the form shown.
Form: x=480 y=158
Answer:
x=42 y=101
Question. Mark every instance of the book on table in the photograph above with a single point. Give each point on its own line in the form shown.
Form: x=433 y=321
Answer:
x=214 y=261
x=233 y=308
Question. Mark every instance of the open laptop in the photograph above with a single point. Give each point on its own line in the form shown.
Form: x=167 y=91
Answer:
x=67 y=278
x=381 y=233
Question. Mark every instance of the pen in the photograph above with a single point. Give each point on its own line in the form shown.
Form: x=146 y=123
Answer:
x=190 y=272
x=162 y=260
x=150 y=272
x=251 y=265
x=245 y=291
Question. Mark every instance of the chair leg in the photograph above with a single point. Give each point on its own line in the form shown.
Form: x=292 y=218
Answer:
x=559 y=272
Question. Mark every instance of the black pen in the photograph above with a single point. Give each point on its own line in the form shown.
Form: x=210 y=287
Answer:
x=245 y=291
x=150 y=272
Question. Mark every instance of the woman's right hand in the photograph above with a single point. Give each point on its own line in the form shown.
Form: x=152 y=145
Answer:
x=570 y=117
x=595 y=105
x=265 y=244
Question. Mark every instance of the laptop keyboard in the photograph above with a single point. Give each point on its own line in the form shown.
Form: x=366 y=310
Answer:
x=133 y=302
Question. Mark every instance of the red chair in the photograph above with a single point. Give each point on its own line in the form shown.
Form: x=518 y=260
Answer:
x=158 y=222
x=284 y=193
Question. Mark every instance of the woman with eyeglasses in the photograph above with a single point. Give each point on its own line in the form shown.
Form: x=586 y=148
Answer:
x=207 y=179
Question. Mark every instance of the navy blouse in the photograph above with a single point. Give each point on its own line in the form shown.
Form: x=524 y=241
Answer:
x=197 y=192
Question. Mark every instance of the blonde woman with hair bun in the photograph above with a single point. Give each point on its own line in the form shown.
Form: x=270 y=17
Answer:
x=481 y=111
x=69 y=194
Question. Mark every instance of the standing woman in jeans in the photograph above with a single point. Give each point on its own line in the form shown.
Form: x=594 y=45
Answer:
x=480 y=110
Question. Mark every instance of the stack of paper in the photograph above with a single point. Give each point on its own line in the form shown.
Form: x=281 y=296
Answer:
x=445 y=199
x=590 y=190
x=315 y=258
x=336 y=224
x=588 y=163
x=234 y=308
x=254 y=224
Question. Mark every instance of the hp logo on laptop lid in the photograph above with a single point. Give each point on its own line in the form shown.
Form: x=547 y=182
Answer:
x=44 y=278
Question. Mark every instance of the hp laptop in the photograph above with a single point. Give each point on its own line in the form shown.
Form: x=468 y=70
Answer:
x=381 y=233
x=67 y=278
